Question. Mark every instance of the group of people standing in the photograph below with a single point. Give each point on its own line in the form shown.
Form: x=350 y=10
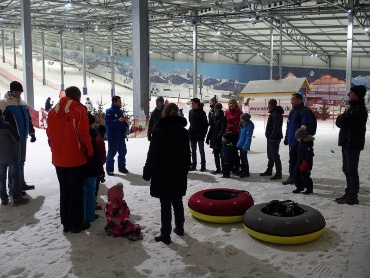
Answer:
x=74 y=144
x=172 y=150
x=78 y=154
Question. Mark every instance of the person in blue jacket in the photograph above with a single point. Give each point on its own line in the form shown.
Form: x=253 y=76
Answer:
x=244 y=142
x=15 y=111
x=116 y=132
x=299 y=117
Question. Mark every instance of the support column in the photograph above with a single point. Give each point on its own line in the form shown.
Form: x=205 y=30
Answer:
x=349 y=48
x=112 y=67
x=3 y=42
x=61 y=60
x=281 y=50
x=84 y=89
x=271 y=51
x=195 y=56
x=140 y=59
x=27 y=52
x=43 y=57
x=14 y=52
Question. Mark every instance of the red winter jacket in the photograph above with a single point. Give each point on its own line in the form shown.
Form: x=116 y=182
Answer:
x=68 y=133
x=233 y=119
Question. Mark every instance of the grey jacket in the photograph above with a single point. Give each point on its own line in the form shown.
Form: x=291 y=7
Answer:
x=9 y=147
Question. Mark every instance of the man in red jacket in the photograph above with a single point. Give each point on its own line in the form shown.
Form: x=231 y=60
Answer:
x=70 y=143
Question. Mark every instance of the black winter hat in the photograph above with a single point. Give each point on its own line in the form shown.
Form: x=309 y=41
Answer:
x=246 y=117
x=228 y=135
x=359 y=91
x=16 y=86
x=300 y=133
x=214 y=100
x=218 y=106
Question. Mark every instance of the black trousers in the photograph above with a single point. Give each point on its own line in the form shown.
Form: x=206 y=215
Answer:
x=166 y=214
x=71 y=184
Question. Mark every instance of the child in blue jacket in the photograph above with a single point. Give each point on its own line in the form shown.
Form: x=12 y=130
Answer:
x=244 y=142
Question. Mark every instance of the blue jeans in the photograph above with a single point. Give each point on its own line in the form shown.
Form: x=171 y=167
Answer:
x=20 y=163
x=115 y=146
x=293 y=158
x=244 y=157
x=193 y=145
x=350 y=168
x=273 y=156
x=89 y=199
x=14 y=175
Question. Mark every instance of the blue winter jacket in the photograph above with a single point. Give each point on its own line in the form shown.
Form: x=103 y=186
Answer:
x=245 y=136
x=116 y=129
x=298 y=116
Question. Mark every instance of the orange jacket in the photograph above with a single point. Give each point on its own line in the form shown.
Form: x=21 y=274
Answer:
x=68 y=133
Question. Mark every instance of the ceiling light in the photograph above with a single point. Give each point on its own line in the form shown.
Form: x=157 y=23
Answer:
x=366 y=29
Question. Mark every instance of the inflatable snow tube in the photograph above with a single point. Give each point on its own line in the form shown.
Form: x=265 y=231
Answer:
x=302 y=227
x=220 y=205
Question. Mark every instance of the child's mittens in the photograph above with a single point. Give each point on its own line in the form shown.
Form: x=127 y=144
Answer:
x=304 y=166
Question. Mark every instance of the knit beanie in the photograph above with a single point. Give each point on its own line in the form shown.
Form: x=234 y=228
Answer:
x=16 y=86
x=116 y=192
x=245 y=116
x=359 y=91
x=160 y=99
x=301 y=133
x=228 y=135
x=218 y=106
x=214 y=100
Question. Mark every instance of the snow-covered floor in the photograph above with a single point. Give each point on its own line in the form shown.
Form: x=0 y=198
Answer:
x=34 y=245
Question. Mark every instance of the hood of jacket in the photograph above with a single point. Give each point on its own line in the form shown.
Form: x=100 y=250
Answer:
x=65 y=104
x=277 y=109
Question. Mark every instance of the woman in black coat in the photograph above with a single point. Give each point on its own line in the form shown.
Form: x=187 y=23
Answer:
x=217 y=129
x=167 y=166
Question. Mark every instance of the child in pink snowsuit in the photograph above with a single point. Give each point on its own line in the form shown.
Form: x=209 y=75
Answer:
x=118 y=213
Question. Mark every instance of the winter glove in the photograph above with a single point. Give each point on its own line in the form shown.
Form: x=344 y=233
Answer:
x=286 y=141
x=33 y=138
x=304 y=166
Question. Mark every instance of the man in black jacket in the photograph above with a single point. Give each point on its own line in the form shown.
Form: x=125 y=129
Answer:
x=352 y=124
x=155 y=116
x=274 y=134
x=197 y=133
